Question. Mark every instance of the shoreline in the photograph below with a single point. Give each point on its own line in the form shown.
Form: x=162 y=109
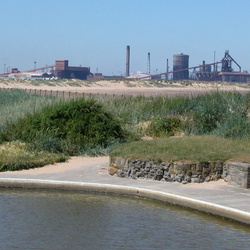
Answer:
x=83 y=174
x=130 y=191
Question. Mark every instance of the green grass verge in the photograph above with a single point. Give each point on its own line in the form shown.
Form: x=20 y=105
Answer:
x=189 y=148
x=16 y=156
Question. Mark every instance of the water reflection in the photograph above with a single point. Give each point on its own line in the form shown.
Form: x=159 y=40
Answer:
x=67 y=220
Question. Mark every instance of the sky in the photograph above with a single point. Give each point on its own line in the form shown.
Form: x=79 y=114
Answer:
x=95 y=33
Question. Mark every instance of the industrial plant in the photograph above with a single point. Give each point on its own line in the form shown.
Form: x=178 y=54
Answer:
x=208 y=72
x=60 y=69
x=217 y=71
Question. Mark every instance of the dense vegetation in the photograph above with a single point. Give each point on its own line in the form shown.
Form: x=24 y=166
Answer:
x=16 y=104
x=52 y=126
x=220 y=113
x=68 y=127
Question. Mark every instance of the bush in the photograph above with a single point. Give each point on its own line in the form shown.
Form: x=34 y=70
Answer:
x=234 y=127
x=164 y=126
x=67 y=127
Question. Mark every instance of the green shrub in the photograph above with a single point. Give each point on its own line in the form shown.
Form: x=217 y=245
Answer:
x=236 y=126
x=164 y=126
x=43 y=141
x=211 y=111
x=207 y=117
x=67 y=127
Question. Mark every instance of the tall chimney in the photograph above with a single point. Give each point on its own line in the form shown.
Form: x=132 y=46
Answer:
x=148 y=69
x=167 y=69
x=127 y=60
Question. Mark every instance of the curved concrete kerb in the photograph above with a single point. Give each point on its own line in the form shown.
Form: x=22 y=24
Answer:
x=226 y=212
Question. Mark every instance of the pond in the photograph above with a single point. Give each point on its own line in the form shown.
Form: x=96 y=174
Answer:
x=68 y=220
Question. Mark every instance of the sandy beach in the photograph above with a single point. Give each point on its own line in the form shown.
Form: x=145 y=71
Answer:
x=126 y=87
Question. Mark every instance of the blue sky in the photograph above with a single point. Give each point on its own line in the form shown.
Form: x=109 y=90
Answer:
x=95 y=33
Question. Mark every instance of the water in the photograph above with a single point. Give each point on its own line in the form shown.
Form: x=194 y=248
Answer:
x=67 y=220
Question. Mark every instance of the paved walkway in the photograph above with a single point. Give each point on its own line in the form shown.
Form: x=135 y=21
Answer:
x=90 y=174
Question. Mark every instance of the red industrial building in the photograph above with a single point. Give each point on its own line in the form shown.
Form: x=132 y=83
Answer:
x=63 y=70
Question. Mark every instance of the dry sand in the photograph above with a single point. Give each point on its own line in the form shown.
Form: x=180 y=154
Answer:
x=125 y=87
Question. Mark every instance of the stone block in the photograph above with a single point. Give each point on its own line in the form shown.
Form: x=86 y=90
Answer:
x=181 y=168
x=238 y=174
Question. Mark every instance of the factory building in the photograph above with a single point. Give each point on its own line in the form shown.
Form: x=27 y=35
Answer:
x=63 y=70
x=60 y=69
x=234 y=76
x=226 y=74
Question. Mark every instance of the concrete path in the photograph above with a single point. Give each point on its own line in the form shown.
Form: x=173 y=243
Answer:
x=90 y=174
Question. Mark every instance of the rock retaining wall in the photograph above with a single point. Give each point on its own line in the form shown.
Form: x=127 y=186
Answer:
x=183 y=172
x=236 y=173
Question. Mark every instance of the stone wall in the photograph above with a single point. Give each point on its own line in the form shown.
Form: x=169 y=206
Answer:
x=183 y=172
x=236 y=173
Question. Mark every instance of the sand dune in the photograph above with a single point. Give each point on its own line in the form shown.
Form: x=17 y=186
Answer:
x=126 y=87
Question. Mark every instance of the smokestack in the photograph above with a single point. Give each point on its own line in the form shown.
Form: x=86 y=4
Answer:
x=127 y=60
x=203 y=66
x=148 y=63
x=167 y=70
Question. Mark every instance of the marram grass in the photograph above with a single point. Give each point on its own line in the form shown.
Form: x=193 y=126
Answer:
x=16 y=103
x=16 y=156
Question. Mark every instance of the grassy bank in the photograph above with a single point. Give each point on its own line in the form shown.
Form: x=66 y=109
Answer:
x=189 y=148
x=211 y=127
